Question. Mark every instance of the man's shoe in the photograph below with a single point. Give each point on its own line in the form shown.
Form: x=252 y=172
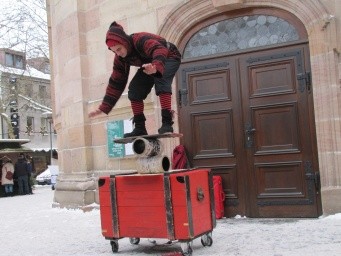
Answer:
x=167 y=121
x=140 y=127
x=135 y=132
x=165 y=128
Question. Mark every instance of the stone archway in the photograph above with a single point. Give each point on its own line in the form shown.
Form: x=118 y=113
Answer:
x=322 y=34
x=193 y=12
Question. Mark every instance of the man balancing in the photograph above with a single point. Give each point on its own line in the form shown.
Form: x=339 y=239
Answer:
x=158 y=62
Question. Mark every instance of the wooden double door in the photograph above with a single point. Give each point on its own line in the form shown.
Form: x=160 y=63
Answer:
x=249 y=117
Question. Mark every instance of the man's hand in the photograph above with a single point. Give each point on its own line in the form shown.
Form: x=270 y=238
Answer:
x=149 y=68
x=95 y=113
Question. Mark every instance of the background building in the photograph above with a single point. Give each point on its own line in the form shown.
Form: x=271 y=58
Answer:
x=25 y=97
x=257 y=97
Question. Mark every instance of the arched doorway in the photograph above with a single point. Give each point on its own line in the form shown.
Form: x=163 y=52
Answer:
x=246 y=111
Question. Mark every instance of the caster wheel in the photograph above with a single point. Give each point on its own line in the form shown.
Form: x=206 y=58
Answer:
x=114 y=246
x=134 y=240
x=206 y=240
x=187 y=248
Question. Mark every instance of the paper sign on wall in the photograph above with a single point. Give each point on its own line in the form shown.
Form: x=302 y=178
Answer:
x=115 y=129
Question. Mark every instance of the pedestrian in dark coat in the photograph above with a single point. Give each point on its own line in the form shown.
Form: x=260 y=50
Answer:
x=158 y=61
x=29 y=172
x=21 y=171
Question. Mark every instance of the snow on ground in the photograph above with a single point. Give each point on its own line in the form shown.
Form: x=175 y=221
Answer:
x=30 y=226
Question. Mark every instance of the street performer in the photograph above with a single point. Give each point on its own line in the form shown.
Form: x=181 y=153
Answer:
x=158 y=62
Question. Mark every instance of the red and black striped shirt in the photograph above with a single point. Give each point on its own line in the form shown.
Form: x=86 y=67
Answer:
x=147 y=48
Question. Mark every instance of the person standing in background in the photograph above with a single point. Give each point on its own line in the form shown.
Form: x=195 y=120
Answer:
x=29 y=173
x=7 y=176
x=21 y=171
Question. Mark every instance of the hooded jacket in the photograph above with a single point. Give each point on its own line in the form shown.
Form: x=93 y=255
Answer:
x=142 y=48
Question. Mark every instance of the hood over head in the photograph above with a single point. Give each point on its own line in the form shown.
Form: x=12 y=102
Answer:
x=116 y=35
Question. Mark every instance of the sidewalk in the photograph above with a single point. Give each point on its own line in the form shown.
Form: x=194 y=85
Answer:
x=30 y=226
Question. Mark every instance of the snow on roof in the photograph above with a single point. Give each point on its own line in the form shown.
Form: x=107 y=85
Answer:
x=29 y=72
x=40 y=146
x=13 y=146
x=35 y=105
x=19 y=141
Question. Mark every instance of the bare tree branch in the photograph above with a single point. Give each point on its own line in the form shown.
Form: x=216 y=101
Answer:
x=23 y=27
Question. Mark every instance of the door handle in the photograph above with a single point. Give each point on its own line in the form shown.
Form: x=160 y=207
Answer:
x=249 y=131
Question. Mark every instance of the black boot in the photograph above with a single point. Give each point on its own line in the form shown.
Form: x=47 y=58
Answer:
x=140 y=127
x=167 y=121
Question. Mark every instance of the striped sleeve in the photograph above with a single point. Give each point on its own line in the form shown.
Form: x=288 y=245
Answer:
x=158 y=53
x=116 y=85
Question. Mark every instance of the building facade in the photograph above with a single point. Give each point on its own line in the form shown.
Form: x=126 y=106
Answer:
x=25 y=97
x=257 y=97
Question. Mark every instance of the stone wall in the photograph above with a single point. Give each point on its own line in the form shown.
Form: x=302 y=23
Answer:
x=82 y=64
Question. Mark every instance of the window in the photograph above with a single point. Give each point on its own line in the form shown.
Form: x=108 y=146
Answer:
x=44 y=122
x=29 y=90
x=239 y=34
x=9 y=60
x=45 y=125
x=30 y=122
x=15 y=61
x=42 y=91
x=47 y=69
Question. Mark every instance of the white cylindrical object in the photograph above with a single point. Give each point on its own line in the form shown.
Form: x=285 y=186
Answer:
x=153 y=164
x=144 y=147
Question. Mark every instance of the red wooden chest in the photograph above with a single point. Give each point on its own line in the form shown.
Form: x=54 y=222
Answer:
x=177 y=205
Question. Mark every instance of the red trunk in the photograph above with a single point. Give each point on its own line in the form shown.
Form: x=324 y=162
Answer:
x=176 y=205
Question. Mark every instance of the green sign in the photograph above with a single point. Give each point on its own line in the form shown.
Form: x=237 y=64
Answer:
x=114 y=131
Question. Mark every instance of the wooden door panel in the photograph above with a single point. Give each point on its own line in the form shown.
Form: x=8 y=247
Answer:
x=276 y=110
x=209 y=103
x=276 y=129
x=272 y=78
x=284 y=190
x=276 y=181
x=209 y=87
x=212 y=134
x=205 y=101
